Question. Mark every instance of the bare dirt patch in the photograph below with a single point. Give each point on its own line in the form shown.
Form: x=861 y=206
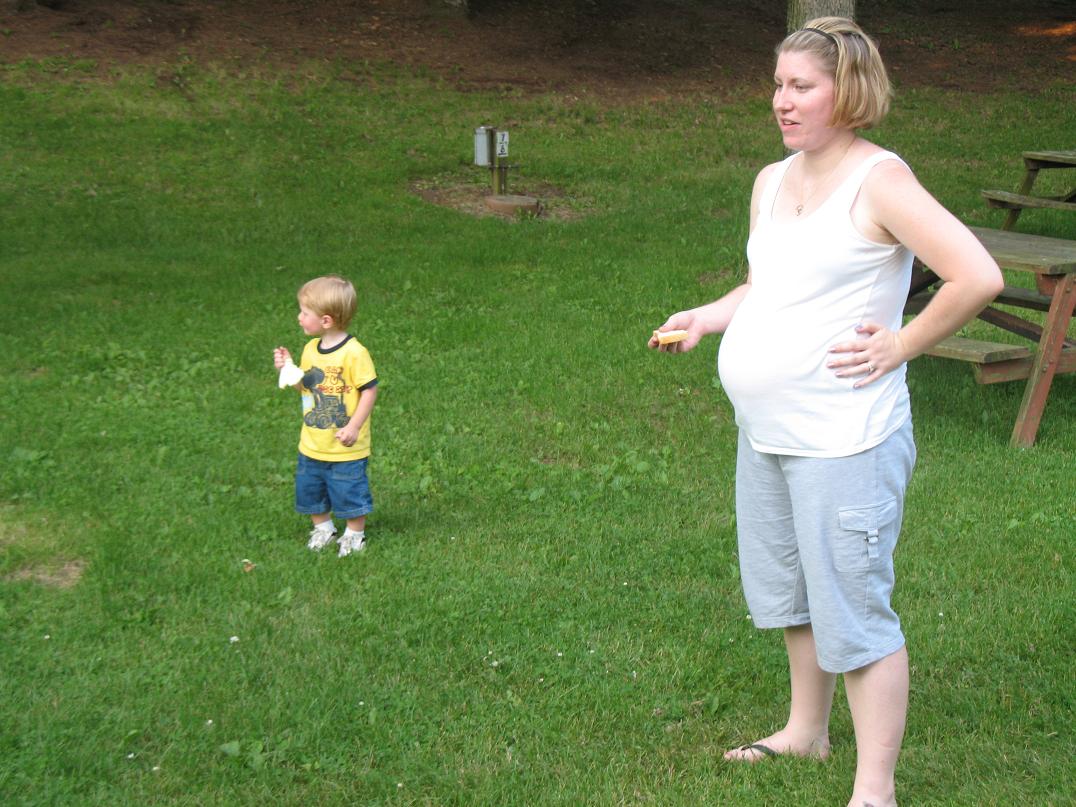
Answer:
x=468 y=197
x=62 y=575
x=17 y=532
x=604 y=49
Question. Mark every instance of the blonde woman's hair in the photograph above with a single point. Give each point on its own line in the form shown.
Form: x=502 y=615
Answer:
x=330 y=295
x=861 y=86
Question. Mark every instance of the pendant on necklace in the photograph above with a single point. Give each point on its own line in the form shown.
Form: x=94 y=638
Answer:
x=799 y=209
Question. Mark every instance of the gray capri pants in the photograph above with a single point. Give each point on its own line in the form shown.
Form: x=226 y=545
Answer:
x=816 y=538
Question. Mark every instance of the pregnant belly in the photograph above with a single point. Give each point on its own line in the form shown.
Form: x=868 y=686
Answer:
x=762 y=356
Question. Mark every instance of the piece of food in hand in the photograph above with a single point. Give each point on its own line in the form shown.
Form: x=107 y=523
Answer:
x=290 y=375
x=668 y=337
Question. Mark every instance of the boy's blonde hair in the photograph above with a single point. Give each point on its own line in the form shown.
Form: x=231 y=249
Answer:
x=332 y=296
x=861 y=86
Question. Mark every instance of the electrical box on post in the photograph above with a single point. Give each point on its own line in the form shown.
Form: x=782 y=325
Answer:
x=483 y=142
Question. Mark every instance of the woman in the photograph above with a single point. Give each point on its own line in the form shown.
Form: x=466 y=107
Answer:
x=813 y=360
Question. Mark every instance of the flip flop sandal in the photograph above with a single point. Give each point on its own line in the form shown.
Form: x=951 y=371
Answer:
x=765 y=749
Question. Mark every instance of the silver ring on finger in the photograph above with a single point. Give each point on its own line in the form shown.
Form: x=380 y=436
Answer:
x=870 y=368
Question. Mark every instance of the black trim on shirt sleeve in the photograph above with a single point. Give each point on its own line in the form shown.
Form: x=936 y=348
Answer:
x=369 y=384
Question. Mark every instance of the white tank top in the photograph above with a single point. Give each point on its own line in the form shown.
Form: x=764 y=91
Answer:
x=812 y=281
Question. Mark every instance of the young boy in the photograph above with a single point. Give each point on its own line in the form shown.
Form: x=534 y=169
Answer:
x=339 y=387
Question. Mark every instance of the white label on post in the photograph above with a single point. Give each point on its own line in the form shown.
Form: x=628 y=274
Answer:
x=502 y=144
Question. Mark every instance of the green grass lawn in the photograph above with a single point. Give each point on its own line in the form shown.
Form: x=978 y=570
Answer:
x=549 y=609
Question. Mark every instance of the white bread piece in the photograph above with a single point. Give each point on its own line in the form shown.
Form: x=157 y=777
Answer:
x=668 y=337
x=290 y=375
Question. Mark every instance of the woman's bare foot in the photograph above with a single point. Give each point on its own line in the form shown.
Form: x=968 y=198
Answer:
x=780 y=744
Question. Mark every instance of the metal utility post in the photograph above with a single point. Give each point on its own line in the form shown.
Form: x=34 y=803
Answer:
x=500 y=166
x=491 y=149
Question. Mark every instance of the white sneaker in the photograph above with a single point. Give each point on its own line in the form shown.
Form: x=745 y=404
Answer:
x=351 y=542
x=319 y=538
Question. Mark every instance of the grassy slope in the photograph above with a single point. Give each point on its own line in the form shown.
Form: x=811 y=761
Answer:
x=549 y=610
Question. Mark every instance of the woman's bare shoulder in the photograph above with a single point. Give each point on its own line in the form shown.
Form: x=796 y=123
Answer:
x=890 y=178
x=890 y=168
x=764 y=175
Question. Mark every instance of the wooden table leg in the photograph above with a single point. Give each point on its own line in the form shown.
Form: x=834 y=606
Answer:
x=1045 y=364
x=1025 y=189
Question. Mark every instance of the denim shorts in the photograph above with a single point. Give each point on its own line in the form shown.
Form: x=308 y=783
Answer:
x=816 y=539
x=337 y=487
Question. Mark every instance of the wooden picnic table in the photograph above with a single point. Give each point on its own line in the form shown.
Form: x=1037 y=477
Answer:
x=1015 y=203
x=1053 y=262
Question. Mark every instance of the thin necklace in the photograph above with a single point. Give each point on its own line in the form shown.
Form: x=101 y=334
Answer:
x=799 y=207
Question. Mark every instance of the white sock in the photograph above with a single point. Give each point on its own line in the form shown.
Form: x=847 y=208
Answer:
x=350 y=533
x=325 y=526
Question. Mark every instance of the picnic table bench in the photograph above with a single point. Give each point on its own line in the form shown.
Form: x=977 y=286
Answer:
x=1053 y=262
x=1015 y=203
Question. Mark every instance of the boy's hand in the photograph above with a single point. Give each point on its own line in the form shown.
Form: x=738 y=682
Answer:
x=347 y=435
x=280 y=357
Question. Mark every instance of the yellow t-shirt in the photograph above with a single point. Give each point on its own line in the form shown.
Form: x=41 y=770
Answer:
x=332 y=381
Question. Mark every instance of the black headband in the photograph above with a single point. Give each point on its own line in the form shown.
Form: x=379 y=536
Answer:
x=826 y=34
